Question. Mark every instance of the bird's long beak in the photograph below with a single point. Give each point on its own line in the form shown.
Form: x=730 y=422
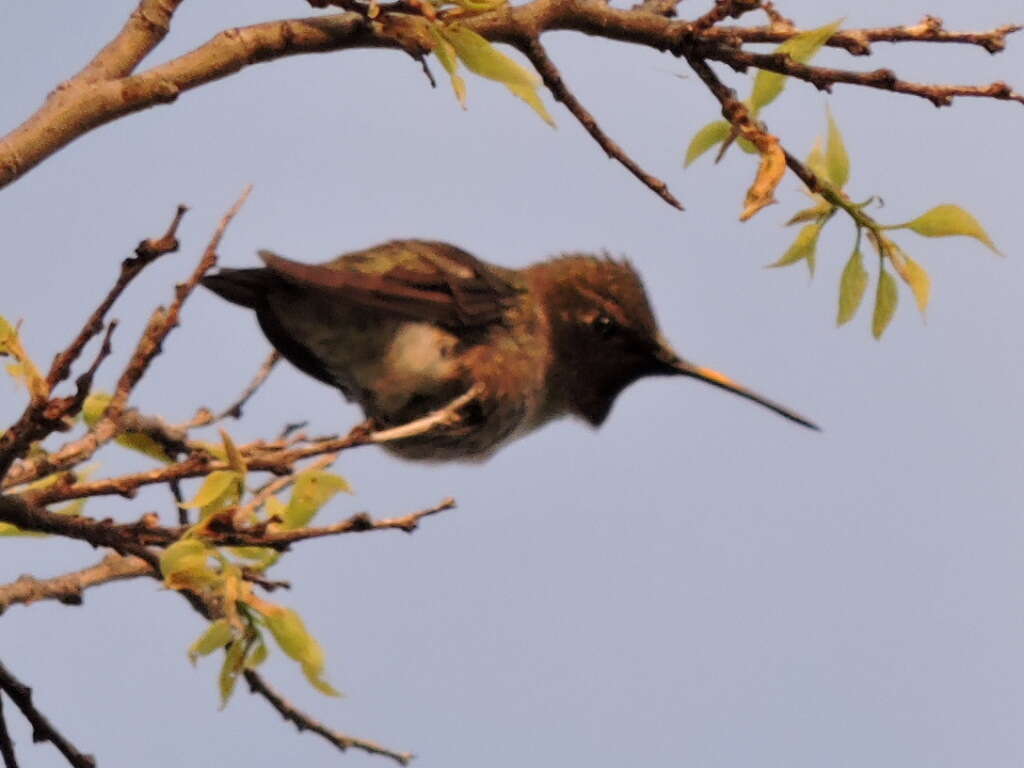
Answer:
x=676 y=365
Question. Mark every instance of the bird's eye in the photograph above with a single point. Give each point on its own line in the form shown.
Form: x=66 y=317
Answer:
x=604 y=326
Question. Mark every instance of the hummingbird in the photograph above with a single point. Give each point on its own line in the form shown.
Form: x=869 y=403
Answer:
x=406 y=327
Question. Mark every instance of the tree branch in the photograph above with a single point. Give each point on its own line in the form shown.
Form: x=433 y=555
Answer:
x=42 y=729
x=535 y=52
x=84 y=104
x=6 y=745
x=68 y=588
x=304 y=722
x=144 y=30
x=824 y=78
x=161 y=323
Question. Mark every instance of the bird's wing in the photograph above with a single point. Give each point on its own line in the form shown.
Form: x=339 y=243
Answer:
x=414 y=279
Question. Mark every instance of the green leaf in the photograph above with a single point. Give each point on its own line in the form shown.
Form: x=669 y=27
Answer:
x=801 y=48
x=820 y=210
x=234 y=663
x=916 y=277
x=295 y=640
x=95 y=406
x=837 y=160
x=484 y=59
x=706 y=138
x=221 y=487
x=816 y=160
x=802 y=248
x=235 y=460
x=186 y=564
x=257 y=655
x=445 y=53
x=7 y=332
x=144 y=444
x=852 y=286
x=886 y=300
x=948 y=220
x=313 y=489
x=217 y=635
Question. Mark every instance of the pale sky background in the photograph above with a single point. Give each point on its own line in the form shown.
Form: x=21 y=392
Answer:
x=700 y=583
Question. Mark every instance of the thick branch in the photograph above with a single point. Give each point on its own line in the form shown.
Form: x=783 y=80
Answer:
x=144 y=30
x=68 y=587
x=82 y=106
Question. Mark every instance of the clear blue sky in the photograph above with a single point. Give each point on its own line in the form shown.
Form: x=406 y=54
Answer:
x=699 y=583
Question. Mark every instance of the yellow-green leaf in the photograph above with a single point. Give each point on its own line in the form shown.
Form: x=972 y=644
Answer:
x=837 y=160
x=948 y=220
x=484 y=59
x=235 y=460
x=95 y=406
x=295 y=640
x=257 y=655
x=810 y=214
x=143 y=443
x=801 y=48
x=186 y=565
x=275 y=508
x=886 y=300
x=234 y=662
x=445 y=53
x=312 y=490
x=7 y=332
x=222 y=485
x=816 y=160
x=217 y=635
x=852 y=286
x=917 y=278
x=707 y=137
x=802 y=248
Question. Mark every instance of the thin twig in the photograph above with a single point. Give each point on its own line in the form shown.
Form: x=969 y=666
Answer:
x=304 y=722
x=360 y=523
x=824 y=78
x=146 y=253
x=534 y=51
x=161 y=323
x=44 y=416
x=42 y=729
x=6 y=744
x=858 y=41
x=234 y=410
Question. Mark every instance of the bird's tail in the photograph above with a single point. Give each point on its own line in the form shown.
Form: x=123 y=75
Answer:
x=246 y=287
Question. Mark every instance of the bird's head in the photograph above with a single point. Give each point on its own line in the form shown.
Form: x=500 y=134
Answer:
x=605 y=336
